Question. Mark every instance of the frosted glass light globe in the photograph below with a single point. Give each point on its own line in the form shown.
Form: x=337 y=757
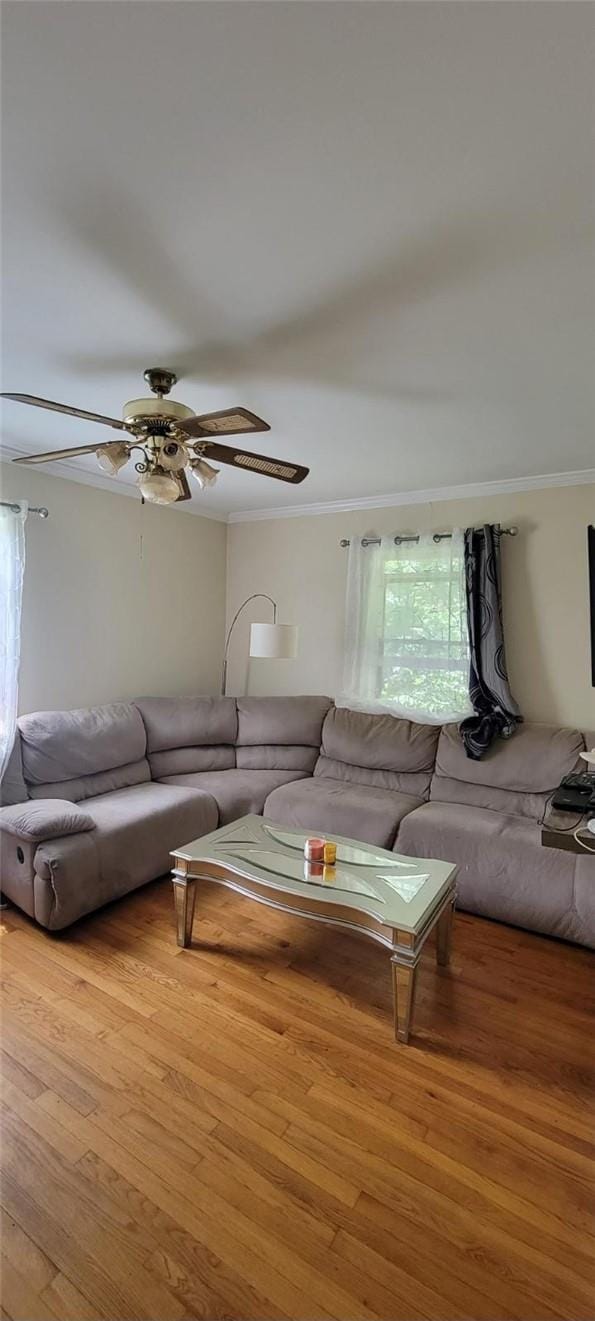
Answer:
x=159 y=488
x=176 y=458
x=204 y=473
x=112 y=457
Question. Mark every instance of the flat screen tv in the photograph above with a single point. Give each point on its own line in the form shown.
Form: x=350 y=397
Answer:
x=591 y=546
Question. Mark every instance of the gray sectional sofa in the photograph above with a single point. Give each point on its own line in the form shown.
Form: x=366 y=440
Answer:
x=94 y=800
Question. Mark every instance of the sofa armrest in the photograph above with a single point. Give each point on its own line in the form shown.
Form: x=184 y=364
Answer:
x=44 y=818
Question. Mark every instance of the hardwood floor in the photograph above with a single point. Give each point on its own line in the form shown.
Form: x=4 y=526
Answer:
x=230 y=1131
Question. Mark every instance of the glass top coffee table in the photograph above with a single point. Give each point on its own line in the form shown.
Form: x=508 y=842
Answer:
x=395 y=900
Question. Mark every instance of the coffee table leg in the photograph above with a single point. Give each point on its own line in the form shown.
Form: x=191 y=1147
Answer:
x=403 y=994
x=444 y=936
x=184 y=896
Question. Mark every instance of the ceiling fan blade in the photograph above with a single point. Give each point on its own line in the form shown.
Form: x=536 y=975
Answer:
x=49 y=455
x=282 y=470
x=182 y=480
x=64 y=408
x=227 y=422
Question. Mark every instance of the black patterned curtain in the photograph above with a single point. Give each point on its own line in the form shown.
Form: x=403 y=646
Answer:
x=495 y=712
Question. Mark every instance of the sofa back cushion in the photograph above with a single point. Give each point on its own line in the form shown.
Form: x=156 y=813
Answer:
x=280 y=733
x=89 y=786
x=186 y=734
x=380 y=750
x=516 y=775
x=78 y=754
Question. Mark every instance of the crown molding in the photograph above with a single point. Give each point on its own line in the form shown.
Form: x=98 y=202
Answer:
x=71 y=472
x=430 y=496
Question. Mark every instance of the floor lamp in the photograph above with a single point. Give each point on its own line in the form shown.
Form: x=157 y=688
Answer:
x=269 y=641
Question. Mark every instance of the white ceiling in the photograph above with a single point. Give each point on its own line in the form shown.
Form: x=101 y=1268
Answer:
x=370 y=223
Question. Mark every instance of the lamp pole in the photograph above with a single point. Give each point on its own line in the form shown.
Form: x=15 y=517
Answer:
x=255 y=596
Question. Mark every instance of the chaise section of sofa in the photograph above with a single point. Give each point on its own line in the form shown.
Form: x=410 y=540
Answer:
x=372 y=771
x=268 y=741
x=485 y=816
x=119 y=825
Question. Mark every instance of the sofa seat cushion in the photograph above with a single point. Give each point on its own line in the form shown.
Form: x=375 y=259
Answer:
x=504 y=872
x=135 y=830
x=236 y=792
x=356 y=811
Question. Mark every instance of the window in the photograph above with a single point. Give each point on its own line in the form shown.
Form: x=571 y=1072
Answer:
x=406 y=631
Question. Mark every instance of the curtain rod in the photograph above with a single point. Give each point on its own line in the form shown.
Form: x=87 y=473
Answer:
x=438 y=536
x=33 y=509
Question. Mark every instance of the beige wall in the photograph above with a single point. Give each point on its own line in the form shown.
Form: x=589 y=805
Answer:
x=299 y=562
x=103 y=621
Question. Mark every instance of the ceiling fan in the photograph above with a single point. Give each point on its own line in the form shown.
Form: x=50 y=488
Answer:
x=170 y=438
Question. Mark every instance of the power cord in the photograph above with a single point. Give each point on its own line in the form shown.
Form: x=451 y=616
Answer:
x=563 y=830
x=580 y=839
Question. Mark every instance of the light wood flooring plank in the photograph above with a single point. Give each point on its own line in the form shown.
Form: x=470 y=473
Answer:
x=229 y=1132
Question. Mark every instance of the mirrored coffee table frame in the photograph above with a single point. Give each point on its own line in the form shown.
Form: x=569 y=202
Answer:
x=395 y=900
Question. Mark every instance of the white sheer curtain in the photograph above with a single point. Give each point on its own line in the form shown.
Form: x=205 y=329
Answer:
x=12 y=566
x=406 y=644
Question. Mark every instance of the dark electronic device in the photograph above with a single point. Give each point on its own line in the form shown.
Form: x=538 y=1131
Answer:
x=576 y=793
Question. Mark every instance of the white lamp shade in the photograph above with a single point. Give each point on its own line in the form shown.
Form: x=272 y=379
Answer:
x=274 y=641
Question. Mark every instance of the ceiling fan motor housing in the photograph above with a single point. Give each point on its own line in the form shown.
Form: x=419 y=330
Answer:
x=137 y=411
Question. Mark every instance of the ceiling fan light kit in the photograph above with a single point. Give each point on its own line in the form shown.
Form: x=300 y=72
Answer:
x=159 y=488
x=203 y=473
x=112 y=457
x=173 y=456
x=169 y=438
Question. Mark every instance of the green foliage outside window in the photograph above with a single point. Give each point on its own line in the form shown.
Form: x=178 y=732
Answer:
x=424 y=658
